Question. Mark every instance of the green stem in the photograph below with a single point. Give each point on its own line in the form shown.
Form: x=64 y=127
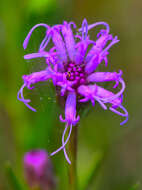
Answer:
x=73 y=158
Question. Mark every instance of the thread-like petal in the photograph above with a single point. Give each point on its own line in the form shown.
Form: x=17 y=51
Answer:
x=26 y=41
x=21 y=98
x=103 y=96
x=84 y=29
x=32 y=79
x=63 y=136
x=125 y=114
x=97 y=24
x=107 y=96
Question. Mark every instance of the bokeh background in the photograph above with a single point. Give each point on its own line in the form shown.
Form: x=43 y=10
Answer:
x=109 y=155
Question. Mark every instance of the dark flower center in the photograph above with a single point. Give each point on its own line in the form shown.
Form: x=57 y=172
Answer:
x=76 y=73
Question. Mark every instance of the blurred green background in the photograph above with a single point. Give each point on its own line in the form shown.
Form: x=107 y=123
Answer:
x=109 y=155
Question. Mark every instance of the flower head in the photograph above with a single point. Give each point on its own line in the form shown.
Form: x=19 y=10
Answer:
x=71 y=65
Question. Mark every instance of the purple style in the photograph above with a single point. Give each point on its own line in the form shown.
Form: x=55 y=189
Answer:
x=71 y=65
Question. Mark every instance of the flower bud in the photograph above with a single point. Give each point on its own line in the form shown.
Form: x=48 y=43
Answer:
x=38 y=170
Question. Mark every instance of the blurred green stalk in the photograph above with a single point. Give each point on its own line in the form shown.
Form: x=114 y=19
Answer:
x=73 y=157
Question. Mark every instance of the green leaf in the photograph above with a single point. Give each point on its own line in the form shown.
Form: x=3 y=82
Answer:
x=12 y=178
x=91 y=171
x=135 y=187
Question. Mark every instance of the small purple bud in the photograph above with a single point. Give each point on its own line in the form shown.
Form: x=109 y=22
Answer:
x=82 y=81
x=81 y=75
x=74 y=69
x=69 y=69
x=71 y=65
x=77 y=77
x=79 y=69
x=76 y=73
x=38 y=170
x=72 y=78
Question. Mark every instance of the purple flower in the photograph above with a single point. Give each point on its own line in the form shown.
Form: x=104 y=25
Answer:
x=38 y=169
x=71 y=65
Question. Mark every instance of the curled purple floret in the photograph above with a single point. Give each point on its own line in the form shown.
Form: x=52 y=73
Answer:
x=30 y=80
x=97 y=24
x=84 y=29
x=125 y=114
x=71 y=65
x=99 y=52
x=103 y=96
x=70 y=119
x=45 y=41
x=70 y=110
x=22 y=99
x=26 y=41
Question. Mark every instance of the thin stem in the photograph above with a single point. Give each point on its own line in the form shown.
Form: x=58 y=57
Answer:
x=73 y=158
